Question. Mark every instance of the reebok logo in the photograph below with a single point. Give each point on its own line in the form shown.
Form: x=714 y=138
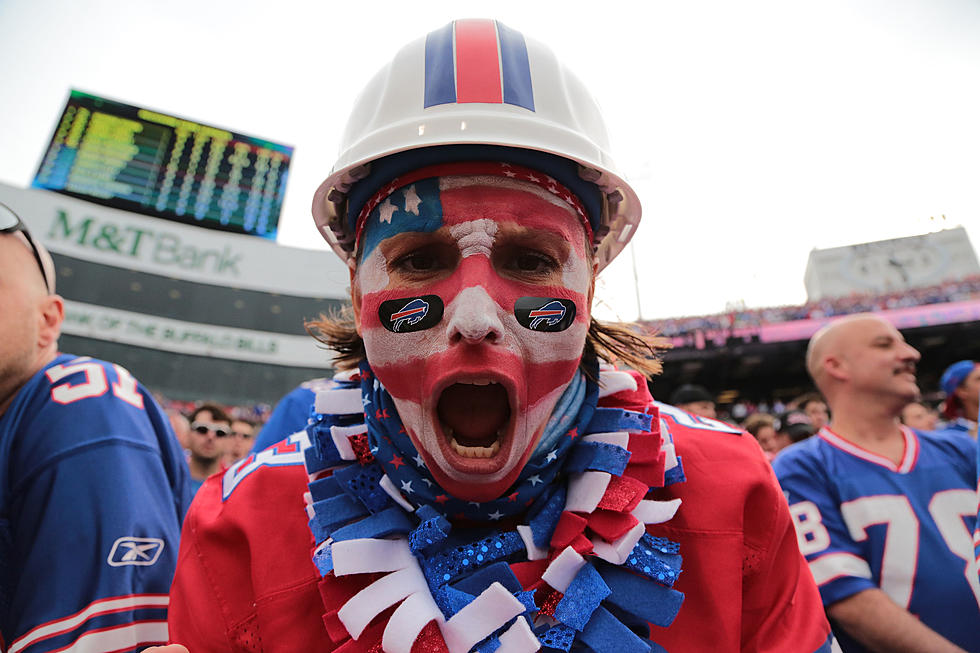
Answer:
x=142 y=551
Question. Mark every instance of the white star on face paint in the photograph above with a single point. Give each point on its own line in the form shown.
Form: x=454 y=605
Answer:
x=418 y=460
x=551 y=457
x=412 y=200
x=365 y=401
x=427 y=482
x=534 y=480
x=407 y=487
x=495 y=515
x=387 y=210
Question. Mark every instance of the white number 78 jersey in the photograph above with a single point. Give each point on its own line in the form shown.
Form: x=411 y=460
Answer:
x=863 y=521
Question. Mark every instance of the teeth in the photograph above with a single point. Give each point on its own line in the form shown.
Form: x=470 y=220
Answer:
x=475 y=452
x=483 y=381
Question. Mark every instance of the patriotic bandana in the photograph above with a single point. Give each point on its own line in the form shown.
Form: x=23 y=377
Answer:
x=475 y=390
x=401 y=573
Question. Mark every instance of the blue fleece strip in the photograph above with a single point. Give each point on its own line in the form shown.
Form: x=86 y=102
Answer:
x=609 y=420
x=583 y=596
x=335 y=511
x=639 y=597
x=387 y=522
x=598 y=457
x=604 y=628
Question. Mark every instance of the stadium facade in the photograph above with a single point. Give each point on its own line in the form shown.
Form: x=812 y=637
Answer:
x=196 y=314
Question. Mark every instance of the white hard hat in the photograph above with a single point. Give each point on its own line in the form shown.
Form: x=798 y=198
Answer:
x=476 y=83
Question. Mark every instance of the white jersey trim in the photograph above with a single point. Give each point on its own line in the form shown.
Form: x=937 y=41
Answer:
x=94 y=609
x=909 y=455
x=120 y=638
x=838 y=565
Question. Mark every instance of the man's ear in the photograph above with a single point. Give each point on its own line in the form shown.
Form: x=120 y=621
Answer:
x=52 y=315
x=962 y=392
x=355 y=298
x=835 y=367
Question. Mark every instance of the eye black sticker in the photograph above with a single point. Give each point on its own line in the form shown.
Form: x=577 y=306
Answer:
x=411 y=314
x=545 y=313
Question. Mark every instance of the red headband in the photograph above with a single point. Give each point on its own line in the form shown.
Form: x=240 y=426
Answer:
x=507 y=170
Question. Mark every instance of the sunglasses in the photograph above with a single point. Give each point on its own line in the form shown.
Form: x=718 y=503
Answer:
x=204 y=428
x=9 y=224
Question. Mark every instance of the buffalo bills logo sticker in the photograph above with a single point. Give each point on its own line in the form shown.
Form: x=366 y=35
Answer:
x=544 y=313
x=412 y=314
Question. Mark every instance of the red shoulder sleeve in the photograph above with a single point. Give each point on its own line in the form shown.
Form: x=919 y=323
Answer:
x=747 y=588
x=781 y=606
x=245 y=580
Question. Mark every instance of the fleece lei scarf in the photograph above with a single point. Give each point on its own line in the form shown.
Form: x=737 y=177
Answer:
x=562 y=561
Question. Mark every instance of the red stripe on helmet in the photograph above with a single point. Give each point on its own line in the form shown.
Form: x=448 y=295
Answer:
x=477 y=62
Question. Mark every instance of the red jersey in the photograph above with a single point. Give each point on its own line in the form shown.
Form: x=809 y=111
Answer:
x=245 y=580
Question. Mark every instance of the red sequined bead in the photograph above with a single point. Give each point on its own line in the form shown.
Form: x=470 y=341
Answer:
x=362 y=448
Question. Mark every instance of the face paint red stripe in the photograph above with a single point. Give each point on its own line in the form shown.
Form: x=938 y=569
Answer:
x=404 y=380
x=477 y=62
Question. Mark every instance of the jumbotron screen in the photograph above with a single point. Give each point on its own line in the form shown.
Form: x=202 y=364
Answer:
x=156 y=164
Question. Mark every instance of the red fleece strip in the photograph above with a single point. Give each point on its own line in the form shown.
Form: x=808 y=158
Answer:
x=477 y=62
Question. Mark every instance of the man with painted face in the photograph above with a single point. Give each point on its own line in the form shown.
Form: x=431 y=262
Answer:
x=475 y=479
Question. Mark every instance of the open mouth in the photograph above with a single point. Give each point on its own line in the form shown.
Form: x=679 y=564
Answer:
x=475 y=417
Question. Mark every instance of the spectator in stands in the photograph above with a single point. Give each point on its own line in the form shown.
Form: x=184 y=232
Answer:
x=210 y=428
x=794 y=426
x=291 y=414
x=866 y=483
x=695 y=399
x=961 y=383
x=240 y=440
x=813 y=404
x=920 y=416
x=94 y=486
x=763 y=428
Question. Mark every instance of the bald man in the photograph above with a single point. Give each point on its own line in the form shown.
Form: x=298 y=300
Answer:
x=92 y=485
x=883 y=513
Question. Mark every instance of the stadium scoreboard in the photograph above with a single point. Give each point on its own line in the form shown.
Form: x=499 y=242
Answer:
x=160 y=165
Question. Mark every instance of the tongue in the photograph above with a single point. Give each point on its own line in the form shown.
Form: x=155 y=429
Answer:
x=475 y=413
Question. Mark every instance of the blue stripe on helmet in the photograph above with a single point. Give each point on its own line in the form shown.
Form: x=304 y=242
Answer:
x=515 y=68
x=440 y=67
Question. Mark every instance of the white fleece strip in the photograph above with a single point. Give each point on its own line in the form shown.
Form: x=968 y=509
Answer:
x=407 y=622
x=480 y=617
x=656 y=512
x=367 y=555
x=618 y=551
x=377 y=597
x=339 y=401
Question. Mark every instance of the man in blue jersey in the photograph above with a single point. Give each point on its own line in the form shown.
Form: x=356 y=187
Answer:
x=92 y=485
x=291 y=414
x=884 y=514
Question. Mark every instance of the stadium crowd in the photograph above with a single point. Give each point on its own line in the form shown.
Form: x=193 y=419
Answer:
x=949 y=291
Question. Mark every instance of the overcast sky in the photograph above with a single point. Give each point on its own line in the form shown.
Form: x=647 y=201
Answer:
x=752 y=131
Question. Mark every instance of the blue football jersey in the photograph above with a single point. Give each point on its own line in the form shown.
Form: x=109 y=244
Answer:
x=93 y=489
x=291 y=414
x=862 y=521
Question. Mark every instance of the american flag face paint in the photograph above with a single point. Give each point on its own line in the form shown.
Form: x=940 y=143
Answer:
x=474 y=391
